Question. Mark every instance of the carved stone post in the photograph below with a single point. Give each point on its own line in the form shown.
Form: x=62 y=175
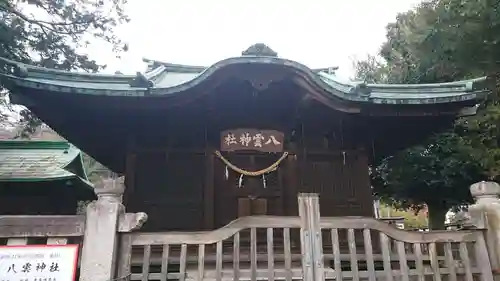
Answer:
x=101 y=231
x=485 y=214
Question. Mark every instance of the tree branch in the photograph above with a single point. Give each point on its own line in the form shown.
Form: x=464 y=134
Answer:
x=22 y=16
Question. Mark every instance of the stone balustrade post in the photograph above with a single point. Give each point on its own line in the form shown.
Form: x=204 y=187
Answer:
x=98 y=260
x=485 y=214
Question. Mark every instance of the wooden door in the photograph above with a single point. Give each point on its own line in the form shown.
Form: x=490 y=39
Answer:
x=342 y=182
x=170 y=190
x=239 y=196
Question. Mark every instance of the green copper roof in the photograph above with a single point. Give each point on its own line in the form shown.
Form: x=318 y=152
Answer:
x=164 y=79
x=41 y=161
x=175 y=75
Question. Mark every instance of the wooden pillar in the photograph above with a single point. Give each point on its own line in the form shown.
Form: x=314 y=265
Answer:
x=292 y=185
x=208 y=194
x=130 y=170
x=360 y=170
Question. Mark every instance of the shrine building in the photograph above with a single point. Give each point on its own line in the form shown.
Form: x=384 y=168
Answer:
x=200 y=146
x=35 y=175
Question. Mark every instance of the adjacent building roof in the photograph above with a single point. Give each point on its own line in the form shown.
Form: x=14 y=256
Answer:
x=166 y=79
x=34 y=161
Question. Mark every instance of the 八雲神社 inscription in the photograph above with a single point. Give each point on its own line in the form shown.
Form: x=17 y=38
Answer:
x=38 y=262
x=252 y=139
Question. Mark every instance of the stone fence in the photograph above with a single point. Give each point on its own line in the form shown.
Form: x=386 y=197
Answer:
x=106 y=252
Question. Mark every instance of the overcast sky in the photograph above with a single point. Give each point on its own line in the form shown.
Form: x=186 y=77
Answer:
x=317 y=33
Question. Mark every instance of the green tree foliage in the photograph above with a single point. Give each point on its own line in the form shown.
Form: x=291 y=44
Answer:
x=412 y=219
x=436 y=174
x=441 y=41
x=372 y=70
x=53 y=33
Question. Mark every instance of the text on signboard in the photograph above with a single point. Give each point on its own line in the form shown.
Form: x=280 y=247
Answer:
x=246 y=139
x=28 y=267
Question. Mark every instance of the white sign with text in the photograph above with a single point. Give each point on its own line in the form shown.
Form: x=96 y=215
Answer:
x=38 y=263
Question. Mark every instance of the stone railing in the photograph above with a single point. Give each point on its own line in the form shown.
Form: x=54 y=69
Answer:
x=105 y=221
x=485 y=214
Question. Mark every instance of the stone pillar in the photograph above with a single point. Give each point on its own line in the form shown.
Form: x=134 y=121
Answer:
x=485 y=214
x=98 y=260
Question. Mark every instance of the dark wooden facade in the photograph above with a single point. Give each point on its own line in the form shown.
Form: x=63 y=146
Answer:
x=188 y=191
x=38 y=198
x=181 y=184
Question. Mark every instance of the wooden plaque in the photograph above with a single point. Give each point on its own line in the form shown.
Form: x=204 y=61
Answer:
x=252 y=139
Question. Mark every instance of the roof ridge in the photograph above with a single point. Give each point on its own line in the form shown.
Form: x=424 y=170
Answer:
x=34 y=144
x=188 y=68
x=175 y=67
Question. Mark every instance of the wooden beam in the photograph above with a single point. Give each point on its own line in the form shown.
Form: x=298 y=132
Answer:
x=41 y=226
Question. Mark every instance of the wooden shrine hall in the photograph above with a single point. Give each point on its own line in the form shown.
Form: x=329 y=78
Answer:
x=201 y=146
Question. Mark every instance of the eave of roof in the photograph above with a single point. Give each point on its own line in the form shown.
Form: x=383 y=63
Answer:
x=35 y=161
x=169 y=79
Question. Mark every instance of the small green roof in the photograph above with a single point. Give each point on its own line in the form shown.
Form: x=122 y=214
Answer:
x=33 y=161
x=166 y=79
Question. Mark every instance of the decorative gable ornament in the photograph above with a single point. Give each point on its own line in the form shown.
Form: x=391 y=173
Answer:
x=259 y=50
x=141 y=81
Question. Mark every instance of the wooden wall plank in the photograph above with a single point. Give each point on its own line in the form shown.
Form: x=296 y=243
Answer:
x=209 y=192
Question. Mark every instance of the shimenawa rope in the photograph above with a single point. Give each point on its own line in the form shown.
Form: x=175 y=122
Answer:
x=252 y=173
